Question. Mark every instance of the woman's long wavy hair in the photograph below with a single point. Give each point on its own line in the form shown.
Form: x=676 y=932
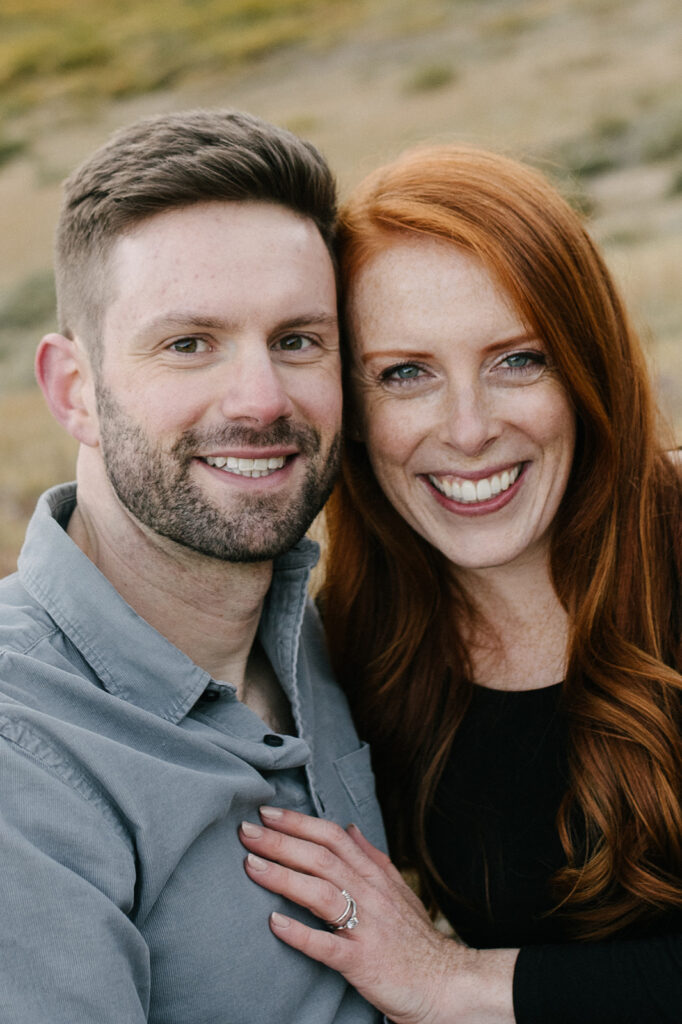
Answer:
x=393 y=612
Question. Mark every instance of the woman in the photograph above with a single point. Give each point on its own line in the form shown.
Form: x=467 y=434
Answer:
x=504 y=609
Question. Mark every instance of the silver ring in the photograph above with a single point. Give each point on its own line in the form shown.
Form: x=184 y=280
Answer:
x=349 y=918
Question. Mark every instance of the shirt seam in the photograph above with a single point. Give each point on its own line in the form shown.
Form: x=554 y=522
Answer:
x=74 y=633
x=50 y=631
x=33 y=745
x=171 y=711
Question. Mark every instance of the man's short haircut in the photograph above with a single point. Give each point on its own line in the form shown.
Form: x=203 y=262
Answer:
x=167 y=162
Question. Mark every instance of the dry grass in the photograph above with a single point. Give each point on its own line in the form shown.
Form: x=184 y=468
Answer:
x=108 y=49
x=588 y=88
x=34 y=454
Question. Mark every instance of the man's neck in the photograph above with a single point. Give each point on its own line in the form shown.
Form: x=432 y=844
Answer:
x=207 y=608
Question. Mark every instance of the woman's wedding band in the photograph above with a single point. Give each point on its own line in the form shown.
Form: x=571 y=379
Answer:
x=348 y=919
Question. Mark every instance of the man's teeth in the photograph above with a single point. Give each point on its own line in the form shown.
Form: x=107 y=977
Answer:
x=470 y=491
x=247 y=467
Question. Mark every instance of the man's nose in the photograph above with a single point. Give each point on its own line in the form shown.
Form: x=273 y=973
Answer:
x=253 y=388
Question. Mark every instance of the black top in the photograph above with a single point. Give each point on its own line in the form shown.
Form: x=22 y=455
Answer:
x=492 y=836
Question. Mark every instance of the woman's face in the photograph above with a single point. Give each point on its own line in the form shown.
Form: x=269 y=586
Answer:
x=468 y=429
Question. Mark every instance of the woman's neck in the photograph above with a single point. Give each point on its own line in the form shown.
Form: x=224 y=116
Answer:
x=520 y=641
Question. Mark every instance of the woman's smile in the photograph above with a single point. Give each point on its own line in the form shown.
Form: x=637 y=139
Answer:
x=475 y=491
x=468 y=428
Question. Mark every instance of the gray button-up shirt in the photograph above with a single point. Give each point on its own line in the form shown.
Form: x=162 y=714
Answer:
x=123 y=896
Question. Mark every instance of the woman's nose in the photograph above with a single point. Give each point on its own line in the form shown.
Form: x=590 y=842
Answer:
x=469 y=420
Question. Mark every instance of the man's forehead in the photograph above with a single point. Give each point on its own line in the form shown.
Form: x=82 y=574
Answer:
x=237 y=213
x=231 y=233
x=219 y=266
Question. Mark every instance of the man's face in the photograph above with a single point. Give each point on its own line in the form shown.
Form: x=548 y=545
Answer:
x=219 y=396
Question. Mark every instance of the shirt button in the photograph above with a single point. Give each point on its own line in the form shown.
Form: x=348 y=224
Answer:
x=273 y=741
x=210 y=694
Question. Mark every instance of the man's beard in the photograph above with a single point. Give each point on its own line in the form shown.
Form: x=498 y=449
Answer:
x=154 y=484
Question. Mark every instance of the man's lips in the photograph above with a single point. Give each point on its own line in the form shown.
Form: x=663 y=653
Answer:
x=253 y=468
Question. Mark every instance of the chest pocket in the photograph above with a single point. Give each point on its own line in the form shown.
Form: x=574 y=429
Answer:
x=355 y=774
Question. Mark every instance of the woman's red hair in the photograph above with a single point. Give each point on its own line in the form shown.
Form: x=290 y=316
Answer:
x=392 y=609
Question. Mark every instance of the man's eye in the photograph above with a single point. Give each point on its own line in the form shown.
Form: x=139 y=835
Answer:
x=188 y=346
x=294 y=343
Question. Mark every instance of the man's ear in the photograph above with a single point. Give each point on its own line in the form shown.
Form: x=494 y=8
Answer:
x=65 y=377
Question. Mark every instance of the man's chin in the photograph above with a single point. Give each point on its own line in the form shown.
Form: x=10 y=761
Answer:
x=248 y=530
x=235 y=544
x=240 y=556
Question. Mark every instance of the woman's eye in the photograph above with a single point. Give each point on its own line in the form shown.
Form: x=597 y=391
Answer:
x=188 y=346
x=402 y=372
x=525 y=362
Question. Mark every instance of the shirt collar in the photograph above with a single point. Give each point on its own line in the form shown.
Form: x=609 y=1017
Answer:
x=131 y=658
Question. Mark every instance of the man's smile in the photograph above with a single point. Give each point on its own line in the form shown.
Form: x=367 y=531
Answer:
x=247 y=467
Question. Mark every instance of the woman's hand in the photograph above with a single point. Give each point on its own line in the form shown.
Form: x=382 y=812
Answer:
x=395 y=957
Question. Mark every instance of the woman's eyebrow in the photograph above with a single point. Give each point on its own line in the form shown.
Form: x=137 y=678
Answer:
x=409 y=353
x=400 y=353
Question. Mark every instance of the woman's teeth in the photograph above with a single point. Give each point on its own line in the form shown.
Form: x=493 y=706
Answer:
x=247 y=467
x=470 y=491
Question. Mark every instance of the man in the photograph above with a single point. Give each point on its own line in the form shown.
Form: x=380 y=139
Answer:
x=162 y=673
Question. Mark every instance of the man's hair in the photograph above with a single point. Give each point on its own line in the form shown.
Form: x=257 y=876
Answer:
x=167 y=162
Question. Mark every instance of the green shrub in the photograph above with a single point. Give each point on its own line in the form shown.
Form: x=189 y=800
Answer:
x=31 y=303
x=9 y=148
x=676 y=184
x=430 y=77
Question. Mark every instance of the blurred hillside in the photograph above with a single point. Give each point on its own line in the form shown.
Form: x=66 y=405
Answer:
x=589 y=89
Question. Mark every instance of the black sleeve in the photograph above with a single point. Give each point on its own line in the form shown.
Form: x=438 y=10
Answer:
x=627 y=981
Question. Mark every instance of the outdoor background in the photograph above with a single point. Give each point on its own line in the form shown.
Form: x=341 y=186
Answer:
x=591 y=90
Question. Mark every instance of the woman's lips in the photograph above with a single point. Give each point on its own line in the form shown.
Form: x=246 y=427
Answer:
x=468 y=491
x=473 y=497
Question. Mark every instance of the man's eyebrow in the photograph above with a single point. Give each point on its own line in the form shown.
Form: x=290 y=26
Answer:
x=186 y=320
x=312 y=320
x=192 y=320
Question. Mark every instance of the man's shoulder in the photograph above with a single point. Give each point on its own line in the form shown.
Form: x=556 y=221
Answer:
x=25 y=618
x=38 y=662
x=23 y=621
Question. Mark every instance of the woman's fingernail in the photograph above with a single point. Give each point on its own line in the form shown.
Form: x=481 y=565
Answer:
x=254 y=831
x=279 y=920
x=257 y=863
x=272 y=813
